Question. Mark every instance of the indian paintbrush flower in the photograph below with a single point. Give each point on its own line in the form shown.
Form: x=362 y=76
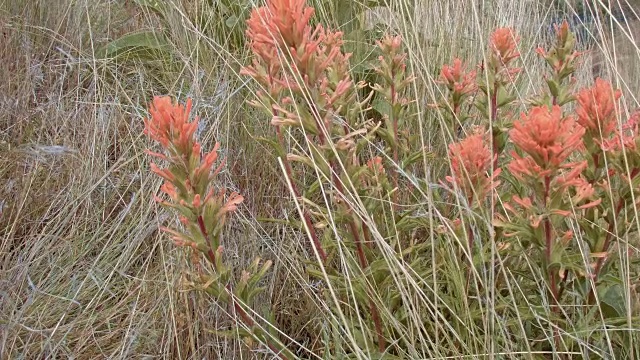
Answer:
x=597 y=109
x=503 y=43
x=189 y=176
x=460 y=83
x=547 y=136
x=471 y=161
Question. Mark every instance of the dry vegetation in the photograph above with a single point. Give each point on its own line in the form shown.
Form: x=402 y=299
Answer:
x=84 y=271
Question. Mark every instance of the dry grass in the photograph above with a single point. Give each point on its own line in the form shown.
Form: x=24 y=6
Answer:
x=84 y=271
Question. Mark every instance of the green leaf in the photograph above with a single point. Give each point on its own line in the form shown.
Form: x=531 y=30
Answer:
x=232 y=21
x=140 y=43
x=612 y=302
x=417 y=155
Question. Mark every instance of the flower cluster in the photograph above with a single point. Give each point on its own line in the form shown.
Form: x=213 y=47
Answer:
x=460 y=83
x=187 y=180
x=597 y=109
x=547 y=137
x=471 y=161
x=282 y=38
x=562 y=58
x=504 y=49
x=504 y=43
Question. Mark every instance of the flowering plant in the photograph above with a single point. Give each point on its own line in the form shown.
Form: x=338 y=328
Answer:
x=533 y=204
x=203 y=210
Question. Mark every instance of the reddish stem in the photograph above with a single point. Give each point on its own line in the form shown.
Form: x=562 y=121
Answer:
x=549 y=244
x=362 y=260
x=394 y=122
x=494 y=103
x=211 y=255
x=243 y=314
x=607 y=240
x=382 y=343
x=367 y=236
x=552 y=276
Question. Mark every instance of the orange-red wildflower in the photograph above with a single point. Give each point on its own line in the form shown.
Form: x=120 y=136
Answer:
x=280 y=24
x=471 y=161
x=562 y=57
x=546 y=136
x=281 y=29
x=375 y=165
x=504 y=42
x=458 y=81
x=393 y=62
x=627 y=138
x=169 y=124
x=597 y=109
x=188 y=179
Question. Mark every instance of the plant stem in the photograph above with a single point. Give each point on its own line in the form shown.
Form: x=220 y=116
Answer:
x=246 y=319
x=362 y=260
x=305 y=212
x=493 y=120
x=394 y=122
x=553 y=294
x=548 y=249
x=607 y=241
x=211 y=255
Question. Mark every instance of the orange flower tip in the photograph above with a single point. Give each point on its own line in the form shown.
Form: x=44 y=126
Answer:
x=196 y=148
x=547 y=136
x=283 y=121
x=169 y=189
x=375 y=165
x=196 y=201
x=155 y=154
x=508 y=207
x=504 y=42
x=590 y=205
x=535 y=221
x=562 y=30
x=236 y=198
x=166 y=229
x=597 y=108
x=450 y=179
x=178 y=242
x=564 y=213
x=524 y=202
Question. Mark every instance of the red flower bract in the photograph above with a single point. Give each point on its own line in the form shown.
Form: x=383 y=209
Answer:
x=458 y=81
x=504 y=42
x=290 y=52
x=281 y=23
x=597 y=109
x=546 y=136
x=169 y=123
x=471 y=162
